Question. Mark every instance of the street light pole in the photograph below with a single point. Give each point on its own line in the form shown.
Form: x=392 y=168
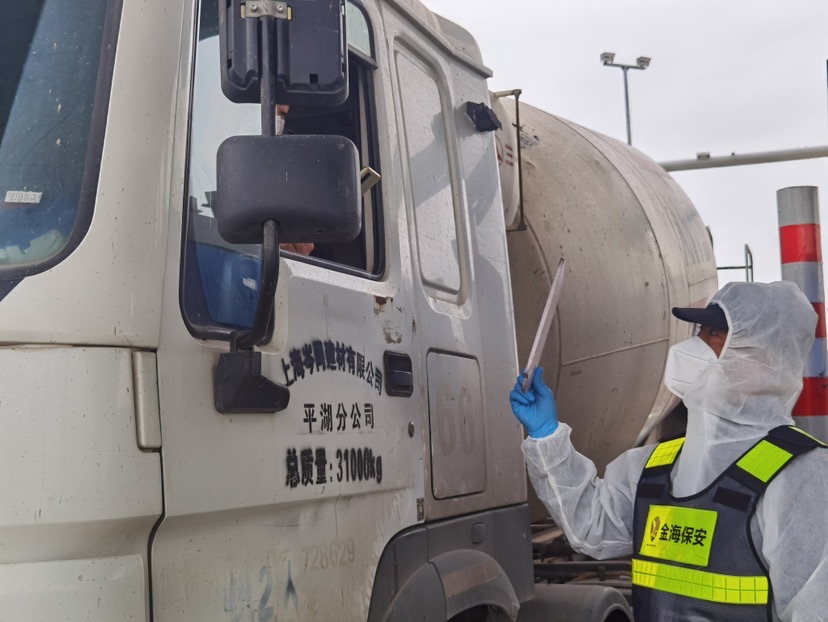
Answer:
x=627 y=106
x=641 y=63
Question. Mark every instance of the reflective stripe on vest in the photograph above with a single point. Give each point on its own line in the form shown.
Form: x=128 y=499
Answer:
x=764 y=460
x=717 y=588
x=665 y=453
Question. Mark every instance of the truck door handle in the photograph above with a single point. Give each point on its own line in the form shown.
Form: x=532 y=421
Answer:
x=399 y=376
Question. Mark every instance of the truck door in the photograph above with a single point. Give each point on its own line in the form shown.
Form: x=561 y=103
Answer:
x=284 y=516
x=465 y=326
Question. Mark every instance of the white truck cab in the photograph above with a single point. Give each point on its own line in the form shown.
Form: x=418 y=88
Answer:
x=390 y=484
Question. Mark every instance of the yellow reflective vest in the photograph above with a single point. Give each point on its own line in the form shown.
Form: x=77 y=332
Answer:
x=694 y=557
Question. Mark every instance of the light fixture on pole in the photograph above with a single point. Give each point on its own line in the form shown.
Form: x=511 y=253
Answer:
x=642 y=62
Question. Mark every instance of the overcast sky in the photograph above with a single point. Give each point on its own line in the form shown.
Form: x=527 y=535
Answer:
x=736 y=76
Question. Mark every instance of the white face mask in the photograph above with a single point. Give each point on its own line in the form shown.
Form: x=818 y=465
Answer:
x=685 y=363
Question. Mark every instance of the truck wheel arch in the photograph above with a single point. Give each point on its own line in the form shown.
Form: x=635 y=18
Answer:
x=450 y=584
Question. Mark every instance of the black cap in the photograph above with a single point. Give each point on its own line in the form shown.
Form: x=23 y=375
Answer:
x=712 y=315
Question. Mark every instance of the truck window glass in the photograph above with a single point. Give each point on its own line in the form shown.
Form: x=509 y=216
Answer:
x=55 y=74
x=219 y=285
x=359 y=34
x=426 y=139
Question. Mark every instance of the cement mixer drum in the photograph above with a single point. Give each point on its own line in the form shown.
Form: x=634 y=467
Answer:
x=635 y=247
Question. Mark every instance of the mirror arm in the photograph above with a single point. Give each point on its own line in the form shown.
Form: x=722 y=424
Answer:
x=267 y=78
x=257 y=335
x=270 y=243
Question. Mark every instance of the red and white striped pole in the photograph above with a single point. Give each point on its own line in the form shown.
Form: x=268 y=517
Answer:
x=801 y=248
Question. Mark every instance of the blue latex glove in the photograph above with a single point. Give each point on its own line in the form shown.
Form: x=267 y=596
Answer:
x=535 y=409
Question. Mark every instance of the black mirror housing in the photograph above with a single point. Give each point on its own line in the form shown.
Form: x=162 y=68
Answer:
x=310 y=55
x=308 y=184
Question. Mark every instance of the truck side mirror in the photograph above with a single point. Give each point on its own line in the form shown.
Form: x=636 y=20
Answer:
x=279 y=188
x=273 y=189
x=309 y=56
x=308 y=184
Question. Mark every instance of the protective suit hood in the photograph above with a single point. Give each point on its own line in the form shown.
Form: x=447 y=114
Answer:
x=755 y=383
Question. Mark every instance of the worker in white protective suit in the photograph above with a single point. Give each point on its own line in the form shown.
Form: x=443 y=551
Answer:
x=731 y=522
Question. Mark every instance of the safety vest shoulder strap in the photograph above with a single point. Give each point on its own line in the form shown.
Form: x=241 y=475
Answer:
x=756 y=468
x=762 y=462
x=791 y=435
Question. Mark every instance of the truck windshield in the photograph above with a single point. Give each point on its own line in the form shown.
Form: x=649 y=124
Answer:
x=50 y=66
